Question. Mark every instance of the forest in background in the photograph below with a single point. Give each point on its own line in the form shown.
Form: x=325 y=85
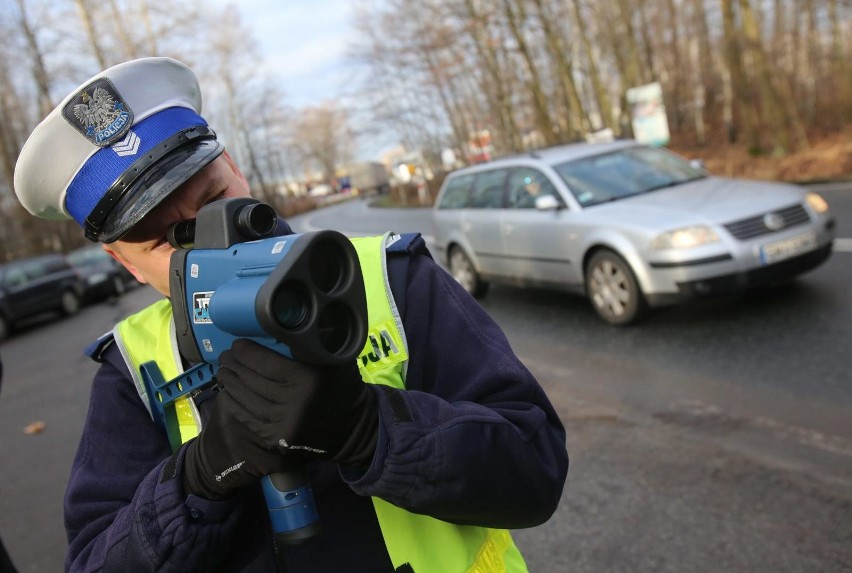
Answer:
x=760 y=88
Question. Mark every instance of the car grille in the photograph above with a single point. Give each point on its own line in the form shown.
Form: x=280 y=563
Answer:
x=752 y=227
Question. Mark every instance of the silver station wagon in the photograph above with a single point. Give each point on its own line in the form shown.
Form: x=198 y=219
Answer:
x=630 y=226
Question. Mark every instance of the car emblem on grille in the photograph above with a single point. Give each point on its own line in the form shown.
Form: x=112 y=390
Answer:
x=774 y=221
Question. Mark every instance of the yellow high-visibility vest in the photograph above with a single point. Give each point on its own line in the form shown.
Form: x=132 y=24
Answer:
x=427 y=544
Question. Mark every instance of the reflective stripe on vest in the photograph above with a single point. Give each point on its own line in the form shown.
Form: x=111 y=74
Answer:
x=149 y=334
x=427 y=544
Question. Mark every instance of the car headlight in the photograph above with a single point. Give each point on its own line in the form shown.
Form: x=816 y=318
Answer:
x=685 y=238
x=816 y=202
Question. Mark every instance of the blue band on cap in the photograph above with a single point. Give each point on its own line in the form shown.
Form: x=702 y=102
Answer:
x=105 y=166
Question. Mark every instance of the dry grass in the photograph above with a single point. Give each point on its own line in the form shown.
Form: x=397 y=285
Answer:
x=829 y=158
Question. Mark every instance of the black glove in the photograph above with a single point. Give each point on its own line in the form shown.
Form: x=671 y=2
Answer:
x=226 y=455
x=318 y=412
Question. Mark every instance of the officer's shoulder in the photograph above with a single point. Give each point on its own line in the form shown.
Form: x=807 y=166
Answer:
x=406 y=244
x=97 y=349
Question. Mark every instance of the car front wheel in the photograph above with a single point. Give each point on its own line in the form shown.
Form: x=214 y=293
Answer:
x=70 y=303
x=613 y=290
x=462 y=269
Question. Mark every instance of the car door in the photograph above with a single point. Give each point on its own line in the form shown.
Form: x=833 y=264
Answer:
x=21 y=299
x=481 y=223
x=42 y=284
x=537 y=242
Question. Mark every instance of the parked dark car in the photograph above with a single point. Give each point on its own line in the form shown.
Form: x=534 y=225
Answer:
x=103 y=276
x=29 y=287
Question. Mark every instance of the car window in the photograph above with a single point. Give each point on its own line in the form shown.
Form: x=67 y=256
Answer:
x=35 y=269
x=624 y=173
x=525 y=185
x=488 y=189
x=55 y=265
x=87 y=256
x=14 y=277
x=456 y=194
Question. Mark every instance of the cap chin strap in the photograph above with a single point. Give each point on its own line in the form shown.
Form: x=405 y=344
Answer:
x=96 y=219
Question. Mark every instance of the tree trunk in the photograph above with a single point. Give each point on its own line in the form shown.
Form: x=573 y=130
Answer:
x=678 y=94
x=39 y=70
x=741 y=105
x=840 y=69
x=91 y=33
x=627 y=36
x=780 y=113
x=494 y=84
x=601 y=94
x=543 y=120
x=118 y=24
x=578 y=119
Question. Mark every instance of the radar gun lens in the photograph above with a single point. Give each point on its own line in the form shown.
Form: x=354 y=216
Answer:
x=291 y=305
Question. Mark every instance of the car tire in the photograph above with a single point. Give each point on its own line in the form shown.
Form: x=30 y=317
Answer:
x=613 y=290
x=5 y=328
x=69 y=304
x=462 y=269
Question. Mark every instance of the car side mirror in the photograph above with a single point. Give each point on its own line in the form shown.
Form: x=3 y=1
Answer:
x=547 y=203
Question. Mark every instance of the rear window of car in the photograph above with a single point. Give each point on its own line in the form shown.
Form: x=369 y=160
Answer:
x=35 y=269
x=488 y=189
x=456 y=193
x=13 y=276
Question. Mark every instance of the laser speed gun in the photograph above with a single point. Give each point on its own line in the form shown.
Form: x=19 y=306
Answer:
x=300 y=295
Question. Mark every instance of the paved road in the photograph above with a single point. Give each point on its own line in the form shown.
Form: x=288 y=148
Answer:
x=714 y=437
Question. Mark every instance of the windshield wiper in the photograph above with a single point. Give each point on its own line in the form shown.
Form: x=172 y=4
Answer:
x=674 y=183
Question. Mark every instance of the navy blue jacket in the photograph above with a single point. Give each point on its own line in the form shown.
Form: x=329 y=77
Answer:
x=473 y=440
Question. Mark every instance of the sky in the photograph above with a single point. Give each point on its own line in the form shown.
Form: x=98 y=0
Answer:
x=303 y=44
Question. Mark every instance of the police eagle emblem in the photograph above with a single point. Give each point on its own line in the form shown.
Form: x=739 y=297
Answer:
x=99 y=113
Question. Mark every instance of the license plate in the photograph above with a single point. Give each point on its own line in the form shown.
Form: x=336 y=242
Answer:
x=780 y=250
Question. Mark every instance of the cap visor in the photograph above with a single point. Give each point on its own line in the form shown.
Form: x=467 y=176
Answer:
x=157 y=183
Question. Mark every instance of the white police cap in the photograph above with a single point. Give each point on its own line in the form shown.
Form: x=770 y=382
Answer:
x=116 y=147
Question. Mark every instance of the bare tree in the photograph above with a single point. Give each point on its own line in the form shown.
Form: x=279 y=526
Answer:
x=556 y=48
x=602 y=98
x=39 y=70
x=86 y=17
x=321 y=133
x=515 y=18
x=779 y=112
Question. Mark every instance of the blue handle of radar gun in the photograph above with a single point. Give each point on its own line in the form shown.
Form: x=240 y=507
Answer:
x=288 y=495
x=291 y=506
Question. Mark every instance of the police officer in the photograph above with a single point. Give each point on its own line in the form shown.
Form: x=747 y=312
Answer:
x=419 y=461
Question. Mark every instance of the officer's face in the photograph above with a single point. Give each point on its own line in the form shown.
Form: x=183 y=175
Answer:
x=144 y=251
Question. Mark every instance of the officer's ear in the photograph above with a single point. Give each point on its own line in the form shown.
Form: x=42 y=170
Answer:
x=124 y=262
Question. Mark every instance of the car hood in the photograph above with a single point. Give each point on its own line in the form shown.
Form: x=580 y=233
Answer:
x=712 y=200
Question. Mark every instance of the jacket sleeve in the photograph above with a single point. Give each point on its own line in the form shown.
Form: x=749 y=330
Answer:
x=125 y=509
x=473 y=439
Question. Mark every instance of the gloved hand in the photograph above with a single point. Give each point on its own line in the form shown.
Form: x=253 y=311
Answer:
x=318 y=412
x=226 y=455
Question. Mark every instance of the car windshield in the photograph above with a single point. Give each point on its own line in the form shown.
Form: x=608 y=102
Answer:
x=625 y=173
